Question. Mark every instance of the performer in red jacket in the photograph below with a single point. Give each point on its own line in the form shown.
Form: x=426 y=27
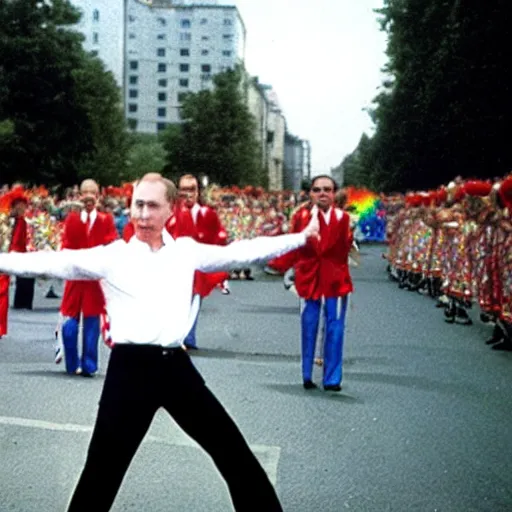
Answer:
x=24 y=292
x=322 y=278
x=205 y=228
x=83 y=230
x=16 y=202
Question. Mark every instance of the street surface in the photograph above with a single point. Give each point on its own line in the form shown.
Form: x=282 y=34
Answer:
x=423 y=422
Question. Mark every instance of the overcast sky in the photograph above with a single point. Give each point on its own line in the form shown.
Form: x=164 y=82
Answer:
x=323 y=58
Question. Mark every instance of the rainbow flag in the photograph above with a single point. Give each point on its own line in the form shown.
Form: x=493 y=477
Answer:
x=367 y=207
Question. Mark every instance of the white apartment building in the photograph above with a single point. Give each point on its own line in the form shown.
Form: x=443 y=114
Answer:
x=174 y=47
x=102 y=25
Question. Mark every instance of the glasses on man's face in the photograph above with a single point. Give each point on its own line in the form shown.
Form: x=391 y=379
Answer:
x=316 y=190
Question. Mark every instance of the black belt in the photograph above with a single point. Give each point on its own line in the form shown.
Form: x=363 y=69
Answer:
x=147 y=349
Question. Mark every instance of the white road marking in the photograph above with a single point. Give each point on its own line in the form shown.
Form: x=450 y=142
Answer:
x=267 y=455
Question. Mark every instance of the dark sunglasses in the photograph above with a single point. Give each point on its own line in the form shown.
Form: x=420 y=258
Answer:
x=321 y=189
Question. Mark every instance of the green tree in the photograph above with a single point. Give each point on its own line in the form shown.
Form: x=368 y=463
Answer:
x=100 y=97
x=50 y=128
x=60 y=110
x=146 y=154
x=217 y=136
x=446 y=107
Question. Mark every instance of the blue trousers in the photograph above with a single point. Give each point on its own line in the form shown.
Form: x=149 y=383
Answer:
x=334 y=310
x=90 y=335
x=190 y=340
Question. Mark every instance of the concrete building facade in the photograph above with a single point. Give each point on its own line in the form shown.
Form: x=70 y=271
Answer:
x=102 y=25
x=173 y=48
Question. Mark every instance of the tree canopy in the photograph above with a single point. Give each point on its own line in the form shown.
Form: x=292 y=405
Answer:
x=217 y=136
x=445 y=106
x=60 y=110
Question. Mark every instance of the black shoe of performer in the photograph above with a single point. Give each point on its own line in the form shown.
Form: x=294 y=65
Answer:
x=309 y=384
x=332 y=387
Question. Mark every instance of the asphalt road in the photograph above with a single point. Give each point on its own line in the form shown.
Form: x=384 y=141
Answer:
x=423 y=423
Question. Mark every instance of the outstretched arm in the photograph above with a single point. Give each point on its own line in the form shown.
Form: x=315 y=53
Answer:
x=244 y=252
x=65 y=264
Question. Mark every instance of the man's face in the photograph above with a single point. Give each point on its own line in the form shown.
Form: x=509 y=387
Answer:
x=150 y=210
x=189 y=192
x=322 y=193
x=89 y=196
x=19 y=208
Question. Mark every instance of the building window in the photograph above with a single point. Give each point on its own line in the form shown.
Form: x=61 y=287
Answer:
x=162 y=96
x=133 y=93
x=162 y=68
x=161 y=126
x=134 y=80
x=162 y=82
x=204 y=52
x=183 y=82
x=96 y=15
x=131 y=35
x=162 y=21
x=182 y=96
x=227 y=37
x=95 y=37
x=185 y=23
x=132 y=124
x=204 y=38
x=134 y=64
x=185 y=36
x=226 y=53
x=184 y=52
x=132 y=107
x=184 y=68
x=162 y=112
x=203 y=21
x=227 y=21
x=161 y=37
x=206 y=68
x=160 y=52
x=131 y=18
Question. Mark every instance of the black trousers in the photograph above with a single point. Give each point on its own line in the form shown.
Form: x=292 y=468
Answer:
x=24 y=293
x=139 y=380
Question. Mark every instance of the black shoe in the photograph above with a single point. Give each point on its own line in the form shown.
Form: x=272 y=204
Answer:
x=497 y=336
x=309 y=384
x=503 y=345
x=493 y=340
x=332 y=387
x=87 y=374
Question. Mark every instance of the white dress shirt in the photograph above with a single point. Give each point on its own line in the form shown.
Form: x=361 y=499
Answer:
x=194 y=211
x=326 y=215
x=148 y=293
x=92 y=217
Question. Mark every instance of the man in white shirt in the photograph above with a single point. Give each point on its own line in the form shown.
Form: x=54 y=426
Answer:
x=144 y=280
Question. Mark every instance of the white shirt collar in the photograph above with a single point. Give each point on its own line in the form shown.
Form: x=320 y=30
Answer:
x=327 y=215
x=195 y=211
x=167 y=239
x=92 y=217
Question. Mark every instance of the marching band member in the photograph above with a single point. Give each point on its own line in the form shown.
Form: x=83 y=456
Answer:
x=86 y=229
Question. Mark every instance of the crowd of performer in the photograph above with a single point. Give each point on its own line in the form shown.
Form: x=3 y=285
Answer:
x=86 y=217
x=455 y=245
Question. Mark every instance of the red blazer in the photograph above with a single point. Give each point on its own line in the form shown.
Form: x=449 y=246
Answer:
x=321 y=266
x=19 y=236
x=85 y=296
x=206 y=230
